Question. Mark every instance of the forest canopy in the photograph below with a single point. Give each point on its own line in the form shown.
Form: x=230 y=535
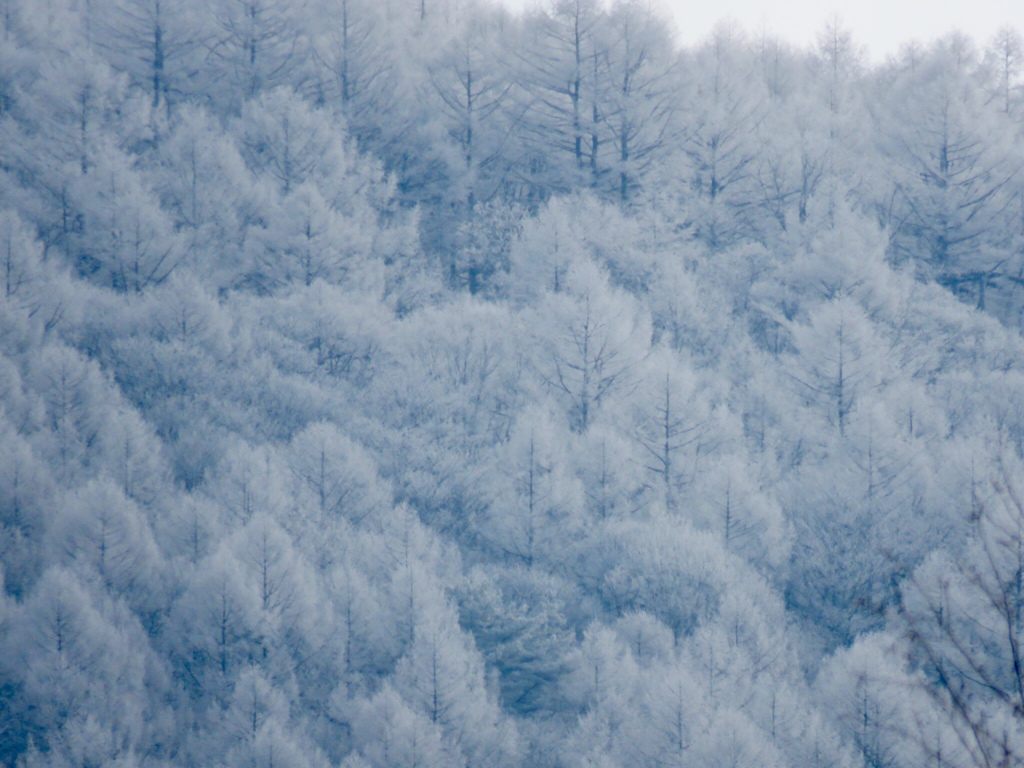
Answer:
x=420 y=384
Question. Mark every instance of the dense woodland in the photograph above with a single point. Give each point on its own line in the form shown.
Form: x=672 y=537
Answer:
x=410 y=383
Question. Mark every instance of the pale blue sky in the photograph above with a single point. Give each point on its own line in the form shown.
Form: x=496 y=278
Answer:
x=881 y=25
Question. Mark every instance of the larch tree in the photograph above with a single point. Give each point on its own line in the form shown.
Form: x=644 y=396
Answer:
x=962 y=616
x=82 y=667
x=101 y=536
x=212 y=628
x=591 y=341
x=336 y=473
x=442 y=675
x=253 y=46
x=840 y=356
x=20 y=263
x=386 y=731
x=953 y=173
x=536 y=508
x=123 y=239
x=26 y=490
x=671 y=425
x=565 y=77
x=350 y=59
x=155 y=42
x=472 y=86
x=287 y=142
x=72 y=390
x=669 y=720
x=726 y=108
x=1004 y=63
x=211 y=196
x=613 y=472
x=644 y=93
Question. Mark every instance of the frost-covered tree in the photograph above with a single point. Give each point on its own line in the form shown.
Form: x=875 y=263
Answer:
x=154 y=41
x=721 y=127
x=591 y=342
x=962 y=620
x=953 y=171
x=644 y=95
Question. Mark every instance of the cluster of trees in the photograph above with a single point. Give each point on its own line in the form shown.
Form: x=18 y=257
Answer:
x=412 y=383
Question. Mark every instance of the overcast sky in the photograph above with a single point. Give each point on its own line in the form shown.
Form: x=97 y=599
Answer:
x=881 y=25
